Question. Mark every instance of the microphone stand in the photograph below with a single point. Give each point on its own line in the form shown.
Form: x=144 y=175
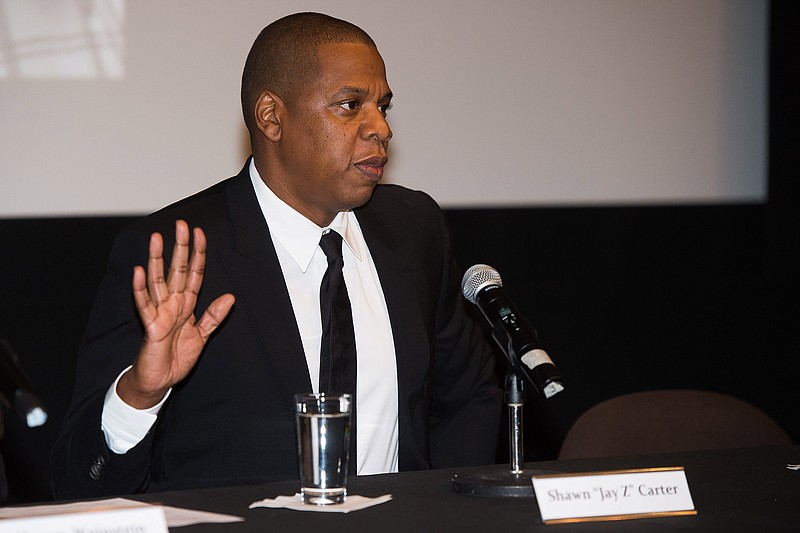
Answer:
x=514 y=482
x=515 y=400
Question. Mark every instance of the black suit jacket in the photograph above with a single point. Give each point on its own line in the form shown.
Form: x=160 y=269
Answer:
x=231 y=420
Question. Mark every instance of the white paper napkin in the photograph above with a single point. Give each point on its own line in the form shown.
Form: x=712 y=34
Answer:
x=351 y=503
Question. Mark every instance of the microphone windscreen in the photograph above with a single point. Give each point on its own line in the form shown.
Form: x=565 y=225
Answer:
x=476 y=278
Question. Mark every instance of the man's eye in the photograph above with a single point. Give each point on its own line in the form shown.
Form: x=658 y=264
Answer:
x=384 y=108
x=350 y=105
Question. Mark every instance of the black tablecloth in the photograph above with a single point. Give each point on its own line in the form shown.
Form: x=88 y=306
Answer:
x=733 y=490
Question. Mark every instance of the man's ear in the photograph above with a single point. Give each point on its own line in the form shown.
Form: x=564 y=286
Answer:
x=268 y=112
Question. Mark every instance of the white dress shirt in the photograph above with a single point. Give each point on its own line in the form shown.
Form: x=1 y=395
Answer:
x=296 y=241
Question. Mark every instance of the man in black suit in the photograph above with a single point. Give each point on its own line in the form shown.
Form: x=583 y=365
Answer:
x=190 y=382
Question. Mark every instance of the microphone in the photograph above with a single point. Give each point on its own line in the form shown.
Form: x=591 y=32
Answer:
x=483 y=286
x=17 y=390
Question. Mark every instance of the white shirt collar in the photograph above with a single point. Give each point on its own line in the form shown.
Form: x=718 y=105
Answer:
x=297 y=234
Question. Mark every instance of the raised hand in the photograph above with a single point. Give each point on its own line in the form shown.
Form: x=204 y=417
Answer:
x=173 y=340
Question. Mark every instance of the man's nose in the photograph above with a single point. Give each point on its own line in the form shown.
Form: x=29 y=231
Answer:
x=376 y=126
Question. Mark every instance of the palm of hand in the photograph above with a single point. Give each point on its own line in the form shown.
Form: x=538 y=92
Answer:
x=173 y=339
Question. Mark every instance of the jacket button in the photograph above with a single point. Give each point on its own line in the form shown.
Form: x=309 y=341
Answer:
x=97 y=467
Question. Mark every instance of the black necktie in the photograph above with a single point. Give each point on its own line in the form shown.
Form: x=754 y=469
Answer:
x=337 y=364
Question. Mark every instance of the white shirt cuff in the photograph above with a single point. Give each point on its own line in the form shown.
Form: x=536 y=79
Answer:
x=125 y=426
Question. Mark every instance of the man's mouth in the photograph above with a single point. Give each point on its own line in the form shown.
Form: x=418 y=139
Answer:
x=372 y=166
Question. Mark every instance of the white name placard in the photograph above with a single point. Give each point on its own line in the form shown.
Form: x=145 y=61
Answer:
x=613 y=495
x=145 y=519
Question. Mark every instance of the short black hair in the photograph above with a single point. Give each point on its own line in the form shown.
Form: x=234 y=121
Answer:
x=283 y=57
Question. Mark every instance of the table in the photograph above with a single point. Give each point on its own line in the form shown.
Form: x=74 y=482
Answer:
x=733 y=490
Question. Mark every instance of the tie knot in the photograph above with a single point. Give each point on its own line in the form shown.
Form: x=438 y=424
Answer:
x=331 y=244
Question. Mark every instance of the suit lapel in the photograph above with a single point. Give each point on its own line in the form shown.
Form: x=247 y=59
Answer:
x=397 y=276
x=253 y=268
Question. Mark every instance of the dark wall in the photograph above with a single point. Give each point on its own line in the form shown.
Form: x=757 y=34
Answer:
x=49 y=272
x=624 y=298
x=638 y=298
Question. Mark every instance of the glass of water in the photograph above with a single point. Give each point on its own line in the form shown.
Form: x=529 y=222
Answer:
x=323 y=442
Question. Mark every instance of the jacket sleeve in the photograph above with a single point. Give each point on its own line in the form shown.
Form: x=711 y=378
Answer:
x=466 y=398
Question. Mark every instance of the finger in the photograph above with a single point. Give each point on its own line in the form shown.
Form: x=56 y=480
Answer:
x=217 y=312
x=141 y=297
x=179 y=266
x=197 y=267
x=155 y=270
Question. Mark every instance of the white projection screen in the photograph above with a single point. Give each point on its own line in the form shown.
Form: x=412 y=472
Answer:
x=123 y=106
